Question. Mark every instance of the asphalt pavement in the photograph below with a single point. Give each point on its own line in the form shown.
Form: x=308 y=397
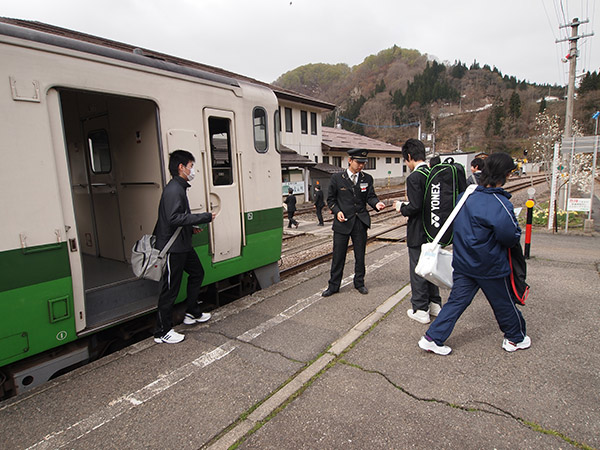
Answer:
x=286 y=368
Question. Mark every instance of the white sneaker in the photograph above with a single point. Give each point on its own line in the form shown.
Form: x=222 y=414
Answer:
x=434 y=309
x=430 y=346
x=510 y=346
x=171 y=337
x=191 y=320
x=419 y=316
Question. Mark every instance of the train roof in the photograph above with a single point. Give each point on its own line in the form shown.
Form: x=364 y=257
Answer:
x=66 y=38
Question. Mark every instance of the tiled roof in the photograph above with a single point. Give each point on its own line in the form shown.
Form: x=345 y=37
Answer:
x=290 y=158
x=327 y=168
x=343 y=140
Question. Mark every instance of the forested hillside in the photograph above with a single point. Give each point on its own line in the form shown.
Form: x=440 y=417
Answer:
x=473 y=107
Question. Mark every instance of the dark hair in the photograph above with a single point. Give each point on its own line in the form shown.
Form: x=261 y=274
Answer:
x=478 y=162
x=415 y=149
x=496 y=168
x=179 y=157
x=290 y=191
x=318 y=187
x=435 y=161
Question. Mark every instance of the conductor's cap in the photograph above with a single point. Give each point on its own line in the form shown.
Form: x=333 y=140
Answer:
x=359 y=154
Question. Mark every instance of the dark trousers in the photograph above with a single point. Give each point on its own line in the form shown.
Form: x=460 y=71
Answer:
x=320 y=214
x=177 y=263
x=496 y=290
x=340 y=247
x=291 y=219
x=422 y=291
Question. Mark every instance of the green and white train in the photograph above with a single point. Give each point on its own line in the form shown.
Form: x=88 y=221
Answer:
x=85 y=135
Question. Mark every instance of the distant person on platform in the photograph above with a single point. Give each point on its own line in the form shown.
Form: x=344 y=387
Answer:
x=174 y=212
x=349 y=193
x=319 y=203
x=476 y=168
x=290 y=201
x=484 y=229
x=425 y=296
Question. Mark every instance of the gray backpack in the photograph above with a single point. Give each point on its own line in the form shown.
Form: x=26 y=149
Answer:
x=146 y=261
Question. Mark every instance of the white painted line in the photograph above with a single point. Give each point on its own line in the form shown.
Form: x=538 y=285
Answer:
x=123 y=404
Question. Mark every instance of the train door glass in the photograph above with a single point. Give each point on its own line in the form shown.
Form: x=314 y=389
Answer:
x=224 y=186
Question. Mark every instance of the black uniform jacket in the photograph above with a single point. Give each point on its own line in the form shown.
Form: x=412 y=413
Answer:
x=319 y=203
x=415 y=190
x=173 y=212
x=290 y=201
x=351 y=199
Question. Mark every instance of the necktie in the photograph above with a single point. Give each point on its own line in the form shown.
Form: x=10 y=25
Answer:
x=354 y=176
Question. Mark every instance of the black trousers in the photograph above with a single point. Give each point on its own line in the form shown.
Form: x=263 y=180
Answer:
x=291 y=219
x=320 y=214
x=422 y=291
x=340 y=247
x=177 y=263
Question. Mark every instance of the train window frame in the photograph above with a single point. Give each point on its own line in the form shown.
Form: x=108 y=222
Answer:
x=261 y=144
x=277 y=126
x=222 y=174
x=102 y=169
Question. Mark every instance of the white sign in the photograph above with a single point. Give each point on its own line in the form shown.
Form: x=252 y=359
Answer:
x=579 y=204
x=297 y=186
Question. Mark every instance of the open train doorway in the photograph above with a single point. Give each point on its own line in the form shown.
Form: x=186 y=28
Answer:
x=116 y=176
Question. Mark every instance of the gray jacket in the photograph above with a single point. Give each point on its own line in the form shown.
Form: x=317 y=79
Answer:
x=173 y=212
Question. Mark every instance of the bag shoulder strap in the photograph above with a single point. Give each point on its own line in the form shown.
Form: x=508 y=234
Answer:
x=454 y=213
x=170 y=243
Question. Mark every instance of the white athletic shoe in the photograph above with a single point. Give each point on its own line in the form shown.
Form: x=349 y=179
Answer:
x=434 y=309
x=510 y=346
x=430 y=346
x=171 y=337
x=419 y=316
x=191 y=320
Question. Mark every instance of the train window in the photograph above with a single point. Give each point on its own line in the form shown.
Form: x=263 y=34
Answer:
x=260 y=130
x=277 y=122
x=220 y=151
x=99 y=151
x=304 y=122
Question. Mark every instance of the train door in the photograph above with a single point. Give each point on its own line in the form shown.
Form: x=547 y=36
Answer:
x=223 y=184
x=115 y=175
x=103 y=189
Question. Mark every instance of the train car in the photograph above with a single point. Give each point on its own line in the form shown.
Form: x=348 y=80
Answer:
x=85 y=134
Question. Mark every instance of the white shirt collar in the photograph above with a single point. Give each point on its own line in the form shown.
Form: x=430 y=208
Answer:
x=350 y=173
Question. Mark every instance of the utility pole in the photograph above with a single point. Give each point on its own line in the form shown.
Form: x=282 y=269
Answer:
x=572 y=58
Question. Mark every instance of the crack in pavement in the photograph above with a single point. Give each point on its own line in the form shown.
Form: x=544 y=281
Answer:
x=502 y=413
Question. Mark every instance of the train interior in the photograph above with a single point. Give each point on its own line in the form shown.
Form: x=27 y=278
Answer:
x=115 y=167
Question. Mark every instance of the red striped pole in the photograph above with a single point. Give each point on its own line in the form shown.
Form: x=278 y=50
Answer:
x=529 y=205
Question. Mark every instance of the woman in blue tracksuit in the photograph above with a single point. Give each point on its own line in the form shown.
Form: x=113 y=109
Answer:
x=484 y=229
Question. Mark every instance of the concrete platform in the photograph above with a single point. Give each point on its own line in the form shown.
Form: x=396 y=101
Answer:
x=286 y=368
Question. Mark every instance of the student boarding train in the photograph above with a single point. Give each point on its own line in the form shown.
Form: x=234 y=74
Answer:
x=86 y=131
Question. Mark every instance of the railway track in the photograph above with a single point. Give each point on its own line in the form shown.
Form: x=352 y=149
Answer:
x=324 y=242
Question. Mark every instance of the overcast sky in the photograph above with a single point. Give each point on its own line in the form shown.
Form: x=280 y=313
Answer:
x=263 y=39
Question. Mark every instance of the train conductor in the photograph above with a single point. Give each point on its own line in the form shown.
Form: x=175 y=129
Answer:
x=348 y=195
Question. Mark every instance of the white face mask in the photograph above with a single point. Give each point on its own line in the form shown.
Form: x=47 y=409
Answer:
x=192 y=174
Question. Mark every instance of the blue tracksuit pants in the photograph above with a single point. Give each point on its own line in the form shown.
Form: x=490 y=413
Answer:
x=497 y=291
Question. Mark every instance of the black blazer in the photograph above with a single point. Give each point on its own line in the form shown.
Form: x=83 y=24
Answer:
x=415 y=190
x=351 y=199
x=319 y=202
x=290 y=201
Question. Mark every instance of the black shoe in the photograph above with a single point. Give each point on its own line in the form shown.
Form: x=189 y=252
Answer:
x=296 y=224
x=327 y=292
x=363 y=290
x=320 y=225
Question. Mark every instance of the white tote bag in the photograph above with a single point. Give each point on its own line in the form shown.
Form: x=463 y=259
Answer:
x=435 y=263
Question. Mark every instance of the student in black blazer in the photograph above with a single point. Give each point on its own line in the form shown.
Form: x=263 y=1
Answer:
x=349 y=193
x=425 y=296
x=319 y=203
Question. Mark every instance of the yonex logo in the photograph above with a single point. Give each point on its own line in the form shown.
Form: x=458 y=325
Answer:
x=435 y=204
